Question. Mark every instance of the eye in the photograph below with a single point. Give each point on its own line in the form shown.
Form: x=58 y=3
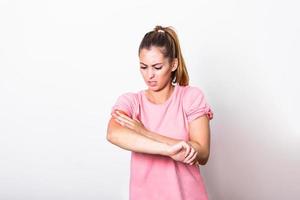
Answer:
x=143 y=67
x=158 y=68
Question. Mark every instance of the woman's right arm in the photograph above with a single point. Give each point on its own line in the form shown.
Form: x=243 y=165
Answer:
x=132 y=141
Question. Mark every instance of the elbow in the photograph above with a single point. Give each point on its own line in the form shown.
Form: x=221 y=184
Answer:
x=110 y=137
x=204 y=159
x=112 y=132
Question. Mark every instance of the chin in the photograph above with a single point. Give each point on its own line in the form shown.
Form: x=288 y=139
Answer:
x=153 y=88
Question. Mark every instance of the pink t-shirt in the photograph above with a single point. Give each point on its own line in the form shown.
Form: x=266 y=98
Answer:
x=157 y=177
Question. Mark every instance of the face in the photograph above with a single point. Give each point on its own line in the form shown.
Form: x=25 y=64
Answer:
x=155 y=68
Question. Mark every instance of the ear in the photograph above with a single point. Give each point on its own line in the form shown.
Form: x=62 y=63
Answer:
x=174 y=64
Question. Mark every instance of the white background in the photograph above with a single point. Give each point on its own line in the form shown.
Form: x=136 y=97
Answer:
x=64 y=63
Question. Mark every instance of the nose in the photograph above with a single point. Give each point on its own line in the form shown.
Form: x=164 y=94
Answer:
x=150 y=74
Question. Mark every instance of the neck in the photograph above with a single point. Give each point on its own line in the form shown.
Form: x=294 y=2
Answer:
x=162 y=95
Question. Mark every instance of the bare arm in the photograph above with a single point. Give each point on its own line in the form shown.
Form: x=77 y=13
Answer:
x=132 y=141
x=178 y=150
x=200 y=138
x=160 y=138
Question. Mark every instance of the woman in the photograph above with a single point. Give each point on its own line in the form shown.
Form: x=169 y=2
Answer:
x=166 y=126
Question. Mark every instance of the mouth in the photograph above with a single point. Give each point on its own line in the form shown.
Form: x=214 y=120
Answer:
x=152 y=83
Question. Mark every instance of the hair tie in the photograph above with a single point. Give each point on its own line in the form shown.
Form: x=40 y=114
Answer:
x=160 y=30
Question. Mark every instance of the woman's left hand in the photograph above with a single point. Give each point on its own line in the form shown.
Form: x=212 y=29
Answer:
x=125 y=121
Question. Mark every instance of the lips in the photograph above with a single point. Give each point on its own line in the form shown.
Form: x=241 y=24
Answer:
x=152 y=83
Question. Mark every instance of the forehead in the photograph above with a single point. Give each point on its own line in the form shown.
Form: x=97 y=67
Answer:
x=151 y=55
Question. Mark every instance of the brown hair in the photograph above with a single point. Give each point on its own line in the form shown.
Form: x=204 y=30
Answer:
x=166 y=38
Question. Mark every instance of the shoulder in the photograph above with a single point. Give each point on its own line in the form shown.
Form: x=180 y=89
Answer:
x=194 y=103
x=192 y=97
x=128 y=98
x=127 y=95
x=127 y=102
x=192 y=92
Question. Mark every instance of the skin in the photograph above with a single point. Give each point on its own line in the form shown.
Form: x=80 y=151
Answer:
x=179 y=150
x=132 y=138
x=155 y=67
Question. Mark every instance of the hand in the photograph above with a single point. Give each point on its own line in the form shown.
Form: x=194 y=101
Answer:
x=183 y=152
x=179 y=156
x=125 y=121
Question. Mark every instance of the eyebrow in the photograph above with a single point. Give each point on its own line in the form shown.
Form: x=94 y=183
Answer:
x=152 y=65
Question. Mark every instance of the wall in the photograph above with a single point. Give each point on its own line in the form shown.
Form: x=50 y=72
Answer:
x=64 y=63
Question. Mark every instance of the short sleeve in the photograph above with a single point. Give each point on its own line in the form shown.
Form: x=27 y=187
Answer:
x=125 y=102
x=195 y=104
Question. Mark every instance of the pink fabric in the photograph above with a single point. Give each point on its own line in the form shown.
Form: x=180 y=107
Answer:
x=156 y=177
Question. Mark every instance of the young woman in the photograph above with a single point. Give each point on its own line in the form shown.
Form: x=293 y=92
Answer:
x=166 y=126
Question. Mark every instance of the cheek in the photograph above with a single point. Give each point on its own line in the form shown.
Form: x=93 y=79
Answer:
x=164 y=74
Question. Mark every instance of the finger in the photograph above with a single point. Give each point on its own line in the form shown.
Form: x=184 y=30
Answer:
x=136 y=120
x=119 y=121
x=190 y=155
x=131 y=122
x=125 y=120
x=193 y=158
x=196 y=163
x=128 y=121
x=187 y=148
x=124 y=116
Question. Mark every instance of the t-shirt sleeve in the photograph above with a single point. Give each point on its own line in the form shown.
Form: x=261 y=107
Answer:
x=195 y=104
x=125 y=102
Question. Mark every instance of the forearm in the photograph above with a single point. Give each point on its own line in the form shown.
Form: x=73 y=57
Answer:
x=132 y=141
x=202 y=155
x=160 y=138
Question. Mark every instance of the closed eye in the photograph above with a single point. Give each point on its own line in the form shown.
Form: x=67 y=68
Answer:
x=157 y=68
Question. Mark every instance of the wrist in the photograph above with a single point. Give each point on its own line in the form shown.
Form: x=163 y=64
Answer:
x=164 y=149
x=144 y=131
